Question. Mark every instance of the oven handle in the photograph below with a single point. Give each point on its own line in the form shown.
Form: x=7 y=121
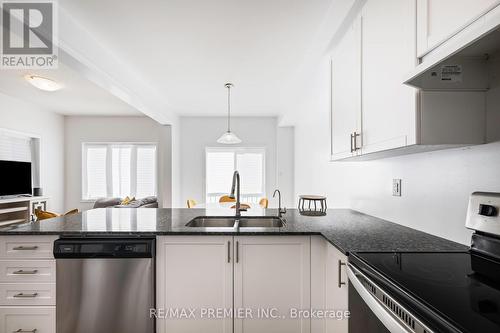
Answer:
x=385 y=317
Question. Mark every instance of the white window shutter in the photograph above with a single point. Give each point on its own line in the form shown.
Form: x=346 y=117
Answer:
x=15 y=147
x=220 y=165
x=119 y=170
x=96 y=175
x=146 y=171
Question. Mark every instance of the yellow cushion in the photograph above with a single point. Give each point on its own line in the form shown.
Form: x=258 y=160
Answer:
x=226 y=198
x=43 y=215
x=127 y=200
x=73 y=211
x=242 y=206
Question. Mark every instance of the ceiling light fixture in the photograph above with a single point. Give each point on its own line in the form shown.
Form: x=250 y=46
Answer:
x=229 y=138
x=42 y=83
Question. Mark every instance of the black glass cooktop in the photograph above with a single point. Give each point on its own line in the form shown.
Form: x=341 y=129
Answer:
x=463 y=288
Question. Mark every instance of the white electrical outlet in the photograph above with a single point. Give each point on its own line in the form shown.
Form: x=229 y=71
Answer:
x=396 y=187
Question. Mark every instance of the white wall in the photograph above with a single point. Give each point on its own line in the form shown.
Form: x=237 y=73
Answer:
x=435 y=185
x=177 y=200
x=25 y=117
x=286 y=161
x=114 y=129
x=197 y=133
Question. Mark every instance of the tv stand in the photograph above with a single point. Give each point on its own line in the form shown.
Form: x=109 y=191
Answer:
x=15 y=210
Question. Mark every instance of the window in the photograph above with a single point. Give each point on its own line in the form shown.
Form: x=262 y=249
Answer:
x=118 y=170
x=220 y=165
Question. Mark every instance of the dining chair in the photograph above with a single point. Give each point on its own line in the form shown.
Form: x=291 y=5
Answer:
x=264 y=202
x=242 y=206
x=191 y=203
x=226 y=198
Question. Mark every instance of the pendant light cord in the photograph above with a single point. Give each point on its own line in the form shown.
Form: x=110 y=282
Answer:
x=228 y=108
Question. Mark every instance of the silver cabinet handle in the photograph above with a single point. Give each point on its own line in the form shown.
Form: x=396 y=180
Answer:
x=237 y=251
x=25 y=331
x=228 y=251
x=355 y=136
x=341 y=283
x=22 y=295
x=22 y=271
x=21 y=248
x=352 y=137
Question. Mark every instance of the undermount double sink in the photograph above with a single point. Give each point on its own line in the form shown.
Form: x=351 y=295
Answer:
x=236 y=222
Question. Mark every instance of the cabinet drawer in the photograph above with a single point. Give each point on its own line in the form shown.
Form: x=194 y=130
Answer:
x=28 y=319
x=29 y=247
x=17 y=294
x=27 y=271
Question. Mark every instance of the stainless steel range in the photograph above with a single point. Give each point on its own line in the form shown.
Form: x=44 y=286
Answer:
x=104 y=285
x=432 y=292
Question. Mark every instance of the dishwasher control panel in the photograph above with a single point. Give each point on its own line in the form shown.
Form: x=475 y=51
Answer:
x=104 y=248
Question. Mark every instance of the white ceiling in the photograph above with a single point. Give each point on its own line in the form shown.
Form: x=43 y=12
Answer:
x=188 y=49
x=79 y=96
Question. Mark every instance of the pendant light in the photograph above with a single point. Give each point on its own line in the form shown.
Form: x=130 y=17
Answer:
x=229 y=138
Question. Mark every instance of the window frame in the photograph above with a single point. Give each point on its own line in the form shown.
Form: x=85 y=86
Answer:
x=262 y=150
x=109 y=145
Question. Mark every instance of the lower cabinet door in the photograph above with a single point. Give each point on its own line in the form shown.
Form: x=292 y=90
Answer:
x=36 y=294
x=337 y=290
x=271 y=284
x=194 y=284
x=27 y=271
x=28 y=319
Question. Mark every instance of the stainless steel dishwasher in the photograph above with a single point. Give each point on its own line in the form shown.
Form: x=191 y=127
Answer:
x=104 y=285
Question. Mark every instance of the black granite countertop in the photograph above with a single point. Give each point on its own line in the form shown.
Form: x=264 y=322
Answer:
x=348 y=230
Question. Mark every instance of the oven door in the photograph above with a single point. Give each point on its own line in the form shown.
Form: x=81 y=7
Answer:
x=372 y=310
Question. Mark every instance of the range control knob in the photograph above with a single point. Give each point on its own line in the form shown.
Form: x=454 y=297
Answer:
x=488 y=210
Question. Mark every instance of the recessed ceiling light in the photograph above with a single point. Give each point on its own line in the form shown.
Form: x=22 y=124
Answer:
x=43 y=83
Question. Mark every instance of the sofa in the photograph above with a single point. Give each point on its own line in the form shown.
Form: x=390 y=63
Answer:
x=148 y=202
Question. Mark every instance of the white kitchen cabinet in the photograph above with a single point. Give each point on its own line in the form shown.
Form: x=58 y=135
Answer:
x=27 y=247
x=27 y=284
x=438 y=20
x=24 y=294
x=269 y=274
x=328 y=287
x=372 y=110
x=28 y=319
x=336 y=289
x=396 y=119
x=27 y=271
x=272 y=272
x=194 y=272
x=346 y=94
x=388 y=51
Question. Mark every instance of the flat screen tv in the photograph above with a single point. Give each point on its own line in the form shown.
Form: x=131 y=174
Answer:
x=15 y=178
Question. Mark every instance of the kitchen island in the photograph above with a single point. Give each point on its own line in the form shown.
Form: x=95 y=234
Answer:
x=347 y=230
x=271 y=271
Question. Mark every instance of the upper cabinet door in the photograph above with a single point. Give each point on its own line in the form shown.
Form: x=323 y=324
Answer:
x=346 y=93
x=194 y=272
x=272 y=272
x=388 y=51
x=438 y=20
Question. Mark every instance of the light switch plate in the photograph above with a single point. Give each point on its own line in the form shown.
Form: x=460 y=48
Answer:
x=396 y=187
